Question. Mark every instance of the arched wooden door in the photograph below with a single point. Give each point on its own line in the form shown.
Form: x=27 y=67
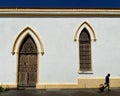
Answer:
x=27 y=64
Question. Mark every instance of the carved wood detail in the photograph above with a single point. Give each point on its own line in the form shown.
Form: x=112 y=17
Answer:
x=27 y=67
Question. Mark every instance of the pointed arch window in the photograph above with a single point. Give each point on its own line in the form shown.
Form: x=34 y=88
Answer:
x=85 y=35
x=85 y=50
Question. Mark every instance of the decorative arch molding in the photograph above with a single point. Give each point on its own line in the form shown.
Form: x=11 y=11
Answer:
x=27 y=31
x=86 y=26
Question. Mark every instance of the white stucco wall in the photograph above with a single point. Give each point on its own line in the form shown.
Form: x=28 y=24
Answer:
x=60 y=63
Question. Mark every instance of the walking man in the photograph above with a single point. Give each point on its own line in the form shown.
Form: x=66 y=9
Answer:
x=107 y=81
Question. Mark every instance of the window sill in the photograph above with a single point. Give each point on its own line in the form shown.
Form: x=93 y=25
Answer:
x=85 y=72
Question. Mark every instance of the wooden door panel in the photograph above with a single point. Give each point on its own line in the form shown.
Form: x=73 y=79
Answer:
x=22 y=78
x=27 y=65
x=32 y=79
x=27 y=71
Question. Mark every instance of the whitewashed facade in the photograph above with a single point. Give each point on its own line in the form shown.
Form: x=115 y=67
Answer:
x=56 y=34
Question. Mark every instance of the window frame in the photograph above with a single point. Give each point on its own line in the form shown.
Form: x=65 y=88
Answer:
x=81 y=71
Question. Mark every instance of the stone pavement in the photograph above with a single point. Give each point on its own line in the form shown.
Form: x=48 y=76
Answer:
x=61 y=92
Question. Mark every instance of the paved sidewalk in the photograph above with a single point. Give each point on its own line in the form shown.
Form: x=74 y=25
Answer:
x=62 y=92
